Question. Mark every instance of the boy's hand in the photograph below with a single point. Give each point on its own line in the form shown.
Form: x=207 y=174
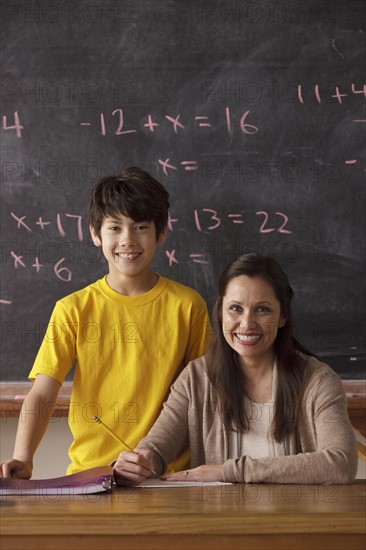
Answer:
x=133 y=468
x=15 y=469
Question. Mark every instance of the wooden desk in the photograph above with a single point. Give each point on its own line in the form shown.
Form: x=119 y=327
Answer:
x=237 y=516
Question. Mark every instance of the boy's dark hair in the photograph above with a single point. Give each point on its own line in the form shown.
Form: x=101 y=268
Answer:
x=135 y=194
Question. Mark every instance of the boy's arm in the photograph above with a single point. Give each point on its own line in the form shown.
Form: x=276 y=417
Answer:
x=34 y=417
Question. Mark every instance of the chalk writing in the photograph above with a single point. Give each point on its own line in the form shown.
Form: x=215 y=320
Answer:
x=17 y=260
x=280 y=229
x=213 y=217
x=176 y=123
x=171 y=221
x=37 y=265
x=204 y=219
x=171 y=257
x=214 y=221
x=16 y=126
x=165 y=164
x=236 y=216
x=21 y=222
x=336 y=95
x=63 y=272
x=188 y=165
x=42 y=224
x=198 y=258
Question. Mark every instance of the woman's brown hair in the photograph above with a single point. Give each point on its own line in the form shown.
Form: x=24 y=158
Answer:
x=222 y=361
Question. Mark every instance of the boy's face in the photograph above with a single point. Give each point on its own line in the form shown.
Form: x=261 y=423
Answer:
x=128 y=246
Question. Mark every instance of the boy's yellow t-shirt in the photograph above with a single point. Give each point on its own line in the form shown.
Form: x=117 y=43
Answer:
x=128 y=351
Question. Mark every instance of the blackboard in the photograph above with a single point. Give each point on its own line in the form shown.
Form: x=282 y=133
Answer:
x=250 y=113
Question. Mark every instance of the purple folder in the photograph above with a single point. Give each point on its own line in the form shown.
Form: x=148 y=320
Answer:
x=94 y=480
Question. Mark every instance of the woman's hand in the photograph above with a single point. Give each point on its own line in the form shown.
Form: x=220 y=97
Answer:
x=212 y=472
x=133 y=468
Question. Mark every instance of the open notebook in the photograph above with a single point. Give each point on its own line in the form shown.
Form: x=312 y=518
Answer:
x=94 y=480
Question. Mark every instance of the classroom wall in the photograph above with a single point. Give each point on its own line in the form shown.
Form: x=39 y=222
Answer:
x=51 y=459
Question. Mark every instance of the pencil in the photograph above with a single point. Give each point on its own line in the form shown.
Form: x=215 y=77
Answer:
x=116 y=437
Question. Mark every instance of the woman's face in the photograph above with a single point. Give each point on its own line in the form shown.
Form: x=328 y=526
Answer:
x=251 y=316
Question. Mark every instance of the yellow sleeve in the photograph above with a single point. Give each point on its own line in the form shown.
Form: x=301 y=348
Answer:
x=200 y=333
x=56 y=354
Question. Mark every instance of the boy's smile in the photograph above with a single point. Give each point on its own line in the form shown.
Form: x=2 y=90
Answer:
x=129 y=248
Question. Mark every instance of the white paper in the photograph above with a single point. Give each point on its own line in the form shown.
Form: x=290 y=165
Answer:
x=154 y=483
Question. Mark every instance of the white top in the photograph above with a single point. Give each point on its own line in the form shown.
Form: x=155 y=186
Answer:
x=259 y=442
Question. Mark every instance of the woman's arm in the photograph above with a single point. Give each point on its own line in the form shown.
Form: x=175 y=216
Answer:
x=328 y=443
x=165 y=440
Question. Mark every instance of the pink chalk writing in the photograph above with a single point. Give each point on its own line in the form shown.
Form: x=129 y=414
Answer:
x=79 y=224
x=317 y=94
x=16 y=126
x=200 y=218
x=188 y=165
x=150 y=124
x=203 y=124
x=59 y=226
x=37 y=265
x=6 y=302
x=299 y=94
x=363 y=91
x=171 y=257
x=165 y=164
x=204 y=219
x=102 y=125
x=62 y=273
x=119 y=131
x=245 y=127
x=228 y=120
x=120 y=124
x=236 y=216
x=171 y=221
x=42 y=224
x=176 y=123
x=337 y=94
x=21 y=222
x=198 y=258
x=213 y=216
x=17 y=260
x=281 y=229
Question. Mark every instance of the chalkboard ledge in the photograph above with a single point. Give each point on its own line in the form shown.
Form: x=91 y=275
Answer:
x=12 y=396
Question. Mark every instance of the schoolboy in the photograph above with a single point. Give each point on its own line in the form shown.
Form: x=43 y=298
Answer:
x=130 y=333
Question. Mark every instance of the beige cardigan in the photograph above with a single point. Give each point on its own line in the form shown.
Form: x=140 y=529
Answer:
x=325 y=451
